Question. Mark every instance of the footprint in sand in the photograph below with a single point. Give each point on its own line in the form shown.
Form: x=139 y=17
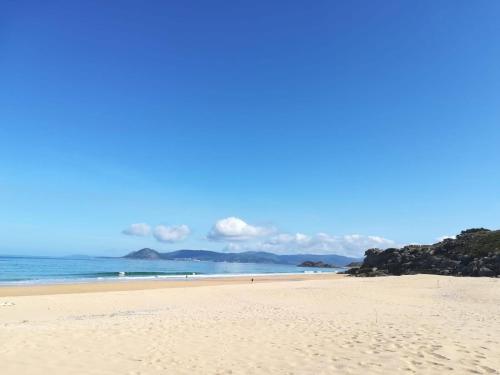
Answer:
x=489 y=370
x=439 y=356
x=5 y=304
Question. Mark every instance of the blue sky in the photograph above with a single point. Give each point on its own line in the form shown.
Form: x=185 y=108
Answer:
x=280 y=125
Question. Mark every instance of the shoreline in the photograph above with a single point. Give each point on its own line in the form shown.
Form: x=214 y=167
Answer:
x=116 y=285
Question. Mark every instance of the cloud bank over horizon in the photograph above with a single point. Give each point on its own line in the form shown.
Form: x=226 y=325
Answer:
x=353 y=245
x=162 y=233
x=239 y=235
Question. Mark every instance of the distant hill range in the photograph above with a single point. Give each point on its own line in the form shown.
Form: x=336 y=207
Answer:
x=244 y=257
x=474 y=252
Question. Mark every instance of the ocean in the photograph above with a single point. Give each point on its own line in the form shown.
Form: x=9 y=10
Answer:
x=35 y=270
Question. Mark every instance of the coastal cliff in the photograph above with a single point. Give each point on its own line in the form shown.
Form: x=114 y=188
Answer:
x=474 y=252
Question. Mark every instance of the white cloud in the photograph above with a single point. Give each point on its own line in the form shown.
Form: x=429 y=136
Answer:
x=165 y=233
x=235 y=229
x=234 y=247
x=138 y=229
x=323 y=243
x=442 y=238
x=286 y=238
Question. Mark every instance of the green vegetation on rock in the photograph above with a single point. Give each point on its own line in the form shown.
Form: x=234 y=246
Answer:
x=474 y=252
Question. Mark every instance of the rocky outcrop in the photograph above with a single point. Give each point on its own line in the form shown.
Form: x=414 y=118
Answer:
x=354 y=264
x=474 y=252
x=309 y=263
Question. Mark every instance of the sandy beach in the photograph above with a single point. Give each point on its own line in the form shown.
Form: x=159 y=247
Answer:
x=315 y=324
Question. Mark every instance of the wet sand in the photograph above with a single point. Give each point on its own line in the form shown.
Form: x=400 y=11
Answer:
x=123 y=285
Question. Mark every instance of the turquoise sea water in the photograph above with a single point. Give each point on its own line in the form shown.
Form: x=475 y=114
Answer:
x=26 y=270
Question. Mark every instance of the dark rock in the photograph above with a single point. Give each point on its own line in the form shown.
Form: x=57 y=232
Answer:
x=484 y=271
x=474 y=252
x=354 y=264
x=320 y=264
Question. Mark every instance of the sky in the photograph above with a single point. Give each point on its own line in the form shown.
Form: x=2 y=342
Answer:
x=285 y=126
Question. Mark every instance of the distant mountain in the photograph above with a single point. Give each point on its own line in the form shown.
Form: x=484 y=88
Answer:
x=145 y=253
x=244 y=257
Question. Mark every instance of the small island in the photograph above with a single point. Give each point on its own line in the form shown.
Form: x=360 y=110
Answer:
x=319 y=264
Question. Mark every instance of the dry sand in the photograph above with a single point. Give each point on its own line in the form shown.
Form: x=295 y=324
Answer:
x=315 y=325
